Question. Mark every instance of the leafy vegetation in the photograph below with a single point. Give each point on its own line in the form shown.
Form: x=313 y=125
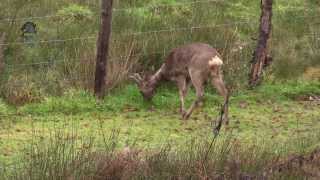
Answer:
x=63 y=157
x=274 y=111
x=76 y=136
x=230 y=26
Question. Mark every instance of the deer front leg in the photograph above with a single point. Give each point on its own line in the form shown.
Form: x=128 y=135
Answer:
x=183 y=86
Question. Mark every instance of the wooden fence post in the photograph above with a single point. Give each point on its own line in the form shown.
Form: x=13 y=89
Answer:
x=103 y=48
x=2 y=63
x=261 y=59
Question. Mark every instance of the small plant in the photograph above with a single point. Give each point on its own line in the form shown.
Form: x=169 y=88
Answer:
x=3 y=107
x=20 y=90
x=66 y=156
x=74 y=13
x=312 y=73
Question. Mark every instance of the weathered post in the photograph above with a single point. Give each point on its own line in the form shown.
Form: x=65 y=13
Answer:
x=2 y=63
x=261 y=59
x=103 y=48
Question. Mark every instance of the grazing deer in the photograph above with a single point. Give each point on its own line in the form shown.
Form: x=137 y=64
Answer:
x=192 y=63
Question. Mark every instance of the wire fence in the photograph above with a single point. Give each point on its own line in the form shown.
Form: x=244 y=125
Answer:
x=90 y=37
x=93 y=37
x=173 y=29
x=55 y=61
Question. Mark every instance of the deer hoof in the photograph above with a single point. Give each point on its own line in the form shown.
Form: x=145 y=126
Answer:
x=226 y=121
x=185 y=116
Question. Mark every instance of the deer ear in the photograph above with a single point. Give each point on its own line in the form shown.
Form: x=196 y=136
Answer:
x=136 y=77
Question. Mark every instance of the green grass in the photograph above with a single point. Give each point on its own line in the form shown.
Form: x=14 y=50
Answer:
x=269 y=113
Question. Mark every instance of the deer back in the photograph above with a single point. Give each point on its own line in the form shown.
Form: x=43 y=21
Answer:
x=192 y=57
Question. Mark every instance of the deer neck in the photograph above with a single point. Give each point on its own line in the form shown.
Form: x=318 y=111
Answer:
x=157 y=77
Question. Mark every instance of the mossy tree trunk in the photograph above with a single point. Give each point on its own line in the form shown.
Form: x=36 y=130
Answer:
x=261 y=59
x=103 y=48
x=2 y=63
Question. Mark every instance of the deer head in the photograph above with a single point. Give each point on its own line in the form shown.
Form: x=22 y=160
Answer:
x=145 y=85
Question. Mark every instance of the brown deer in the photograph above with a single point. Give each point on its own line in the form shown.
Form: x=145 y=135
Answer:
x=186 y=65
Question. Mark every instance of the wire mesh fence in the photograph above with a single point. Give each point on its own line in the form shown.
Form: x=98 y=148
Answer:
x=137 y=38
x=74 y=55
x=142 y=43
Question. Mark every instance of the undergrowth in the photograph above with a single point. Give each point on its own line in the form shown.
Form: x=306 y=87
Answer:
x=128 y=97
x=64 y=156
x=76 y=136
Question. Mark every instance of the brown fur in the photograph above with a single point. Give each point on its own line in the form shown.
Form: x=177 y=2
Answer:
x=186 y=65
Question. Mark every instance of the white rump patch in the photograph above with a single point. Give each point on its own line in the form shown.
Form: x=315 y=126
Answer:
x=215 y=61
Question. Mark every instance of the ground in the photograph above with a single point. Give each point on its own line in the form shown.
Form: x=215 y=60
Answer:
x=273 y=113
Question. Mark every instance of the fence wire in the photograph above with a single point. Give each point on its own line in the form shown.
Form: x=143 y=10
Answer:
x=173 y=29
x=52 y=60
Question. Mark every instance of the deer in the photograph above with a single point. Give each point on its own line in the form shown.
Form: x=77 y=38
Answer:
x=191 y=64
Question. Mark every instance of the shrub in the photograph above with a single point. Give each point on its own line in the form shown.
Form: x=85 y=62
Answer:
x=20 y=90
x=64 y=156
x=312 y=73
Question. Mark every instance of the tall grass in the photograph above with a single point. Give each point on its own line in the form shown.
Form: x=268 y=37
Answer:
x=71 y=63
x=64 y=156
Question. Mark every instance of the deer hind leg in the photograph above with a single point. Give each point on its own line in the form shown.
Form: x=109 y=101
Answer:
x=197 y=82
x=217 y=82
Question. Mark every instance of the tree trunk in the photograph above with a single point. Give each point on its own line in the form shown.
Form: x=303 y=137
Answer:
x=2 y=63
x=261 y=59
x=103 y=48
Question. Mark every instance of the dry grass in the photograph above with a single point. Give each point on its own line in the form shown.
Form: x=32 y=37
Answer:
x=63 y=157
x=20 y=90
x=312 y=73
x=121 y=65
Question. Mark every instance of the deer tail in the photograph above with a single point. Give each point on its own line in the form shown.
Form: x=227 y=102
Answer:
x=215 y=61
